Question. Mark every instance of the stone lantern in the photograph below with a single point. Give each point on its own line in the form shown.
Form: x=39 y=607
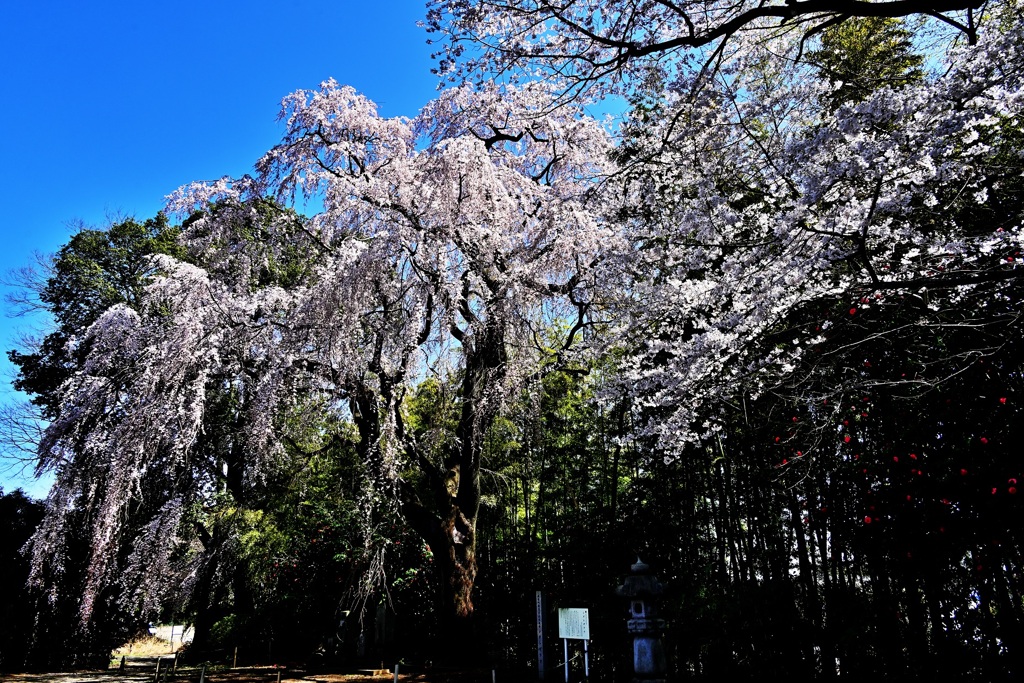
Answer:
x=643 y=590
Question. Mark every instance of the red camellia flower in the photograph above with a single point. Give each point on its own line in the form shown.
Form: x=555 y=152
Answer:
x=1002 y=400
x=994 y=490
x=1012 y=480
x=846 y=439
x=913 y=456
x=963 y=473
x=867 y=519
x=853 y=311
x=984 y=440
x=1012 y=490
x=895 y=458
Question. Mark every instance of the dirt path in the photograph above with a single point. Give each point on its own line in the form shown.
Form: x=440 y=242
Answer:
x=143 y=670
x=192 y=676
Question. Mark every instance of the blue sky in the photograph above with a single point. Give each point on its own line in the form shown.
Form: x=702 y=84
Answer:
x=109 y=106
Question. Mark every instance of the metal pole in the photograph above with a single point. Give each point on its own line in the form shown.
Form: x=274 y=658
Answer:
x=202 y=674
x=396 y=672
x=586 y=659
x=540 y=635
x=156 y=677
x=565 y=646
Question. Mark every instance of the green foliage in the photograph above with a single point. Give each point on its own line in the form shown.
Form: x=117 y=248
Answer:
x=95 y=270
x=288 y=551
x=862 y=55
x=273 y=238
x=432 y=414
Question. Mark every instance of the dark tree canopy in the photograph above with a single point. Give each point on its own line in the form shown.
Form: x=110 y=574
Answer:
x=19 y=516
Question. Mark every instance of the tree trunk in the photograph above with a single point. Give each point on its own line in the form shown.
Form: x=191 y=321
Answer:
x=446 y=516
x=459 y=565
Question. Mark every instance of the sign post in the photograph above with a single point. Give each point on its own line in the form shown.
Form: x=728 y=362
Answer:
x=540 y=635
x=574 y=624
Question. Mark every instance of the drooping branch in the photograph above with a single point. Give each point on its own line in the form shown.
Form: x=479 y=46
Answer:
x=952 y=280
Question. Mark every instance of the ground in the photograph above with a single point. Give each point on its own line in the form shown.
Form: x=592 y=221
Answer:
x=143 y=670
x=140 y=666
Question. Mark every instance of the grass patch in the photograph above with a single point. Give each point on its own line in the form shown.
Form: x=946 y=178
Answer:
x=146 y=646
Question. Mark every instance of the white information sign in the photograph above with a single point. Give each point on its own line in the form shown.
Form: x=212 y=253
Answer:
x=574 y=623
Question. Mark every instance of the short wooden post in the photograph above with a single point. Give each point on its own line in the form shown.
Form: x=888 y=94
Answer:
x=202 y=674
x=122 y=663
x=156 y=677
x=174 y=666
x=396 y=672
x=279 y=675
x=234 y=663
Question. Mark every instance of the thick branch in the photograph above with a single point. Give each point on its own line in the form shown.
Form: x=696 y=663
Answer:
x=852 y=8
x=949 y=281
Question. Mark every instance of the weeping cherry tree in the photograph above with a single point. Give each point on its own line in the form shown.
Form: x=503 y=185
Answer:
x=447 y=246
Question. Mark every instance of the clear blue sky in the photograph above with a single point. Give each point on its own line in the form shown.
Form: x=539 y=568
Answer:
x=108 y=106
